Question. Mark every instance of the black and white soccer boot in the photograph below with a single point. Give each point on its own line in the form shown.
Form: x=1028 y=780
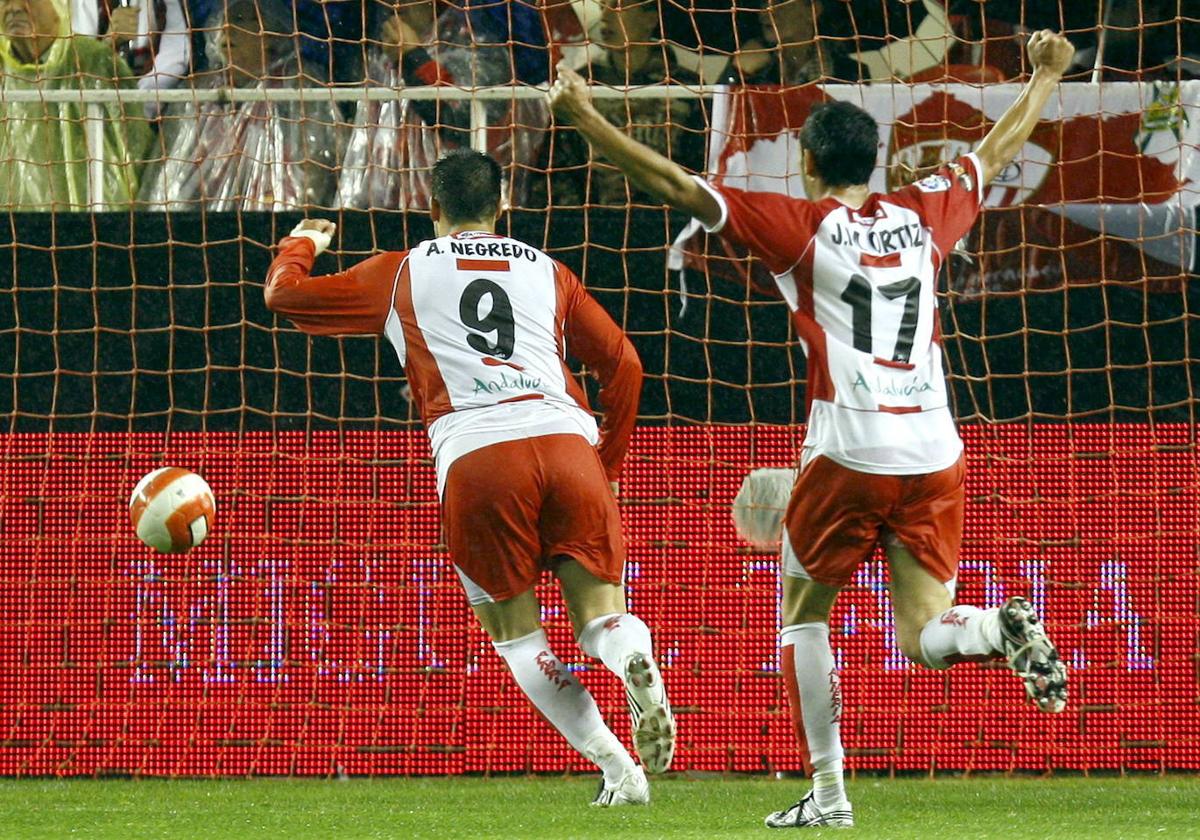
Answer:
x=632 y=789
x=653 y=722
x=1032 y=656
x=806 y=814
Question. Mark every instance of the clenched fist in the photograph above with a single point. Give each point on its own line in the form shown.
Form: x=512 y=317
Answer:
x=320 y=231
x=569 y=94
x=1050 y=51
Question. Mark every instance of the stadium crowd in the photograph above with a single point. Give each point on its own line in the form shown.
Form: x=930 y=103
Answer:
x=265 y=155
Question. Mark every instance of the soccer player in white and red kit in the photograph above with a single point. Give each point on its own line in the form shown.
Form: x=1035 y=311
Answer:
x=482 y=324
x=881 y=461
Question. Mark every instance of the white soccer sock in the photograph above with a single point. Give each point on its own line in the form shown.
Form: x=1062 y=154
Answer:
x=614 y=638
x=564 y=702
x=829 y=787
x=816 y=688
x=962 y=634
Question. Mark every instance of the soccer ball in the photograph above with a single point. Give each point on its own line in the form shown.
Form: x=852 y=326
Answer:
x=172 y=509
x=759 y=507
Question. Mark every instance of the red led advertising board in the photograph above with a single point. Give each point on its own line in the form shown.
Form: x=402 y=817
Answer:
x=320 y=628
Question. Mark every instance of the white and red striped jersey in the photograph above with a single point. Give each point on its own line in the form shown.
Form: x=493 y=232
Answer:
x=482 y=324
x=861 y=283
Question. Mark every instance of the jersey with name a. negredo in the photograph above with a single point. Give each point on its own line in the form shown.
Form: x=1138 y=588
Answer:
x=861 y=286
x=482 y=324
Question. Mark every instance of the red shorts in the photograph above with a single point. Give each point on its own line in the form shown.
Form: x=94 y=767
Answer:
x=511 y=508
x=836 y=517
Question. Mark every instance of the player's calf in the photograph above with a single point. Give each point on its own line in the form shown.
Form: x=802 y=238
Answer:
x=815 y=700
x=622 y=642
x=969 y=634
x=569 y=708
x=960 y=634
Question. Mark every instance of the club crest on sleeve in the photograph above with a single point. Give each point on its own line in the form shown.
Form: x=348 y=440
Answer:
x=934 y=183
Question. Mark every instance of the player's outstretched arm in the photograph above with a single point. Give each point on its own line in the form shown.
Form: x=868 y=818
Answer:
x=644 y=167
x=1050 y=53
x=350 y=302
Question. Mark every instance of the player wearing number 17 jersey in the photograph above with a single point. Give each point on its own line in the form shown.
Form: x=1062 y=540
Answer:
x=482 y=324
x=881 y=462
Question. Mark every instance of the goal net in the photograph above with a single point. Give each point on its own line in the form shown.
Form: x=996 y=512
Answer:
x=320 y=628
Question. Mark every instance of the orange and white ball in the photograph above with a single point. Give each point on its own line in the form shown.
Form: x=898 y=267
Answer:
x=759 y=506
x=172 y=509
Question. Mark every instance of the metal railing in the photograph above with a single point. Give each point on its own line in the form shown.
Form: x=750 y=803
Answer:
x=342 y=93
x=93 y=99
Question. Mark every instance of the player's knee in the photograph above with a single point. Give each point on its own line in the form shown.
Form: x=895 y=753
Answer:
x=806 y=606
x=910 y=645
x=806 y=601
x=910 y=623
x=805 y=614
x=510 y=619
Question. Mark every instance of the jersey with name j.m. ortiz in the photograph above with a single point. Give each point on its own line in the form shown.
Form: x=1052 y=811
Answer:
x=861 y=283
x=482 y=324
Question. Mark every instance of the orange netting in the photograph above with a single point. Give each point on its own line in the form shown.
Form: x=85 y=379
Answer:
x=320 y=629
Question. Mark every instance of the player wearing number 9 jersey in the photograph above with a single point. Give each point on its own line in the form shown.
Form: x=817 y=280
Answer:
x=881 y=462
x=482 y=324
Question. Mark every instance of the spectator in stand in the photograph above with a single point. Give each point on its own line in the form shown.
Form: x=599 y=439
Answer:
x=633 y=54
x=47 y=150
x=565 y=35
x=248 y=155
x=152 y=37
x=789 y=51
x=395 y=143
x=330 y=35
x=1149 y=39
x=462 y=46
x=708 y=33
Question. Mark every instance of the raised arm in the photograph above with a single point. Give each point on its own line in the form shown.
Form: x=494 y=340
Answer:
x=1050 y=53
x=355 y=301
x=644 y=167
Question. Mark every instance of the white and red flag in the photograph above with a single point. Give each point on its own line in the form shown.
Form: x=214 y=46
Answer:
x=1105 y=190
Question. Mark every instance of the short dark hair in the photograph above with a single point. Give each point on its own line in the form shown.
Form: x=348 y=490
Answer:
x=843 y=141
x=466 y=184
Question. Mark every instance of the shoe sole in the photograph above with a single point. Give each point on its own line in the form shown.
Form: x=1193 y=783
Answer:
x=1044 y=675
x=653 y=723
x=834 y=822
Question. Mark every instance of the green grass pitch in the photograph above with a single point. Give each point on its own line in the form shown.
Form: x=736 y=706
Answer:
x=545 y=808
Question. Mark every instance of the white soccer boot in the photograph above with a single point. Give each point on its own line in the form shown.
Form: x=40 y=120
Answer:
x=632 y=789
x=806 y=814
x=653 y=722
x=1032 y=656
